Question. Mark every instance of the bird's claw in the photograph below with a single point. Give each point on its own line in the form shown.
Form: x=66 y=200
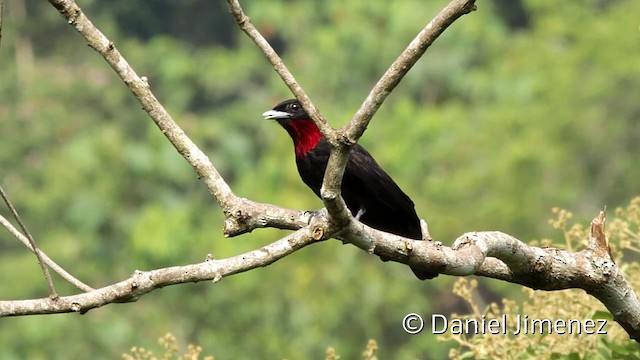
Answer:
x=311 y=214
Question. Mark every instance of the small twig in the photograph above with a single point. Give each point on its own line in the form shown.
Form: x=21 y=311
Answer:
x=1 y=17
x=52 y=264
x=426 y=235
x=45 y=270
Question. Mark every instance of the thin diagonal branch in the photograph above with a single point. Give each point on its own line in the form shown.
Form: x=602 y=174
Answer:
x=47 y=260
x=237 y=210
x=32 y=242
x=332 y=200
x=244 y=22
x=141 y=90
x=401 y=66
x=353 y=130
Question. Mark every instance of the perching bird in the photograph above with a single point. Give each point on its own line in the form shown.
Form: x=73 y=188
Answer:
x=369 y=193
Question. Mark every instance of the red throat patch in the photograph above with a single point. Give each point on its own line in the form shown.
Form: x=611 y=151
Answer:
x=305 y=135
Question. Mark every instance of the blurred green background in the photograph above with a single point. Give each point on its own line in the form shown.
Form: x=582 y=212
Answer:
x=518 y=107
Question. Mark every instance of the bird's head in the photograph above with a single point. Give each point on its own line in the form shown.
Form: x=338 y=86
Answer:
x=292 y=116
x=286 y=111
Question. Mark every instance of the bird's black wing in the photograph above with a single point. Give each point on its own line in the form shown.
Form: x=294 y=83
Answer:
x=367 y=188
x=384 y=206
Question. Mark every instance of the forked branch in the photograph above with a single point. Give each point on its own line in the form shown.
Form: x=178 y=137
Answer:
x=342 y=140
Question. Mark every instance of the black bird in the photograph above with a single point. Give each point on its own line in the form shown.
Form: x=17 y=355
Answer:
x=368 y=191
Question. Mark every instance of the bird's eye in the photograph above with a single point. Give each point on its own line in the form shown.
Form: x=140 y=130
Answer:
x=294 y=107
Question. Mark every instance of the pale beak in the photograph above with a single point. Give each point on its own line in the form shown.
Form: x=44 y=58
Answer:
x=274 y=115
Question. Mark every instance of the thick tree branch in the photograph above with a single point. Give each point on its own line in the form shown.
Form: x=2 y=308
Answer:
x=247 y=215
x=501 y=256
x=490 y=254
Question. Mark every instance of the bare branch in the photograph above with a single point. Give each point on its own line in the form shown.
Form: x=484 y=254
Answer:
x=244 y=22
x=501 y=256
x=330 y=197
x=490 y=254
x=47 y=260
x=32 y=242
x=247 y=215
x=351 y=132
x=140 y=89
x=236 y=209
x=143 y=282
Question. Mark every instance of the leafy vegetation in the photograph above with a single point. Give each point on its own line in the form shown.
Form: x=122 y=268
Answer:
x=496 y=125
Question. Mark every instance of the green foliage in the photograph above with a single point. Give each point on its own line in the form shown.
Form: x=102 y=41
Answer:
x=491 y=129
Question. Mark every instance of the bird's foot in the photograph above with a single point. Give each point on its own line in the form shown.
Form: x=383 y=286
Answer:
x=361 y=212
x=315 y=213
